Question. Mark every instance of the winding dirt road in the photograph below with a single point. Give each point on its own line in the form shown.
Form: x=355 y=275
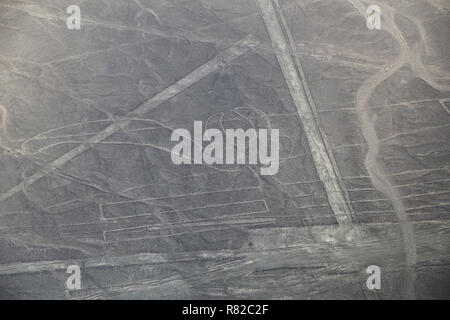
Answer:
x=408 y=56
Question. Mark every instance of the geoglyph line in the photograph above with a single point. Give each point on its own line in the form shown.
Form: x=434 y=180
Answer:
x=322 y=160
x=238 y=49
x=189 y=195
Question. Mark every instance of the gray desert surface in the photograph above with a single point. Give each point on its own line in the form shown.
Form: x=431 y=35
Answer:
x=86 y=177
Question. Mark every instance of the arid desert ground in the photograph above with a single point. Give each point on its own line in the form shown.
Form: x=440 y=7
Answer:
x=86 y=176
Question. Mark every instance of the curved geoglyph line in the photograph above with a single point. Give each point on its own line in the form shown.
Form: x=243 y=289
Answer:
x=238 y=49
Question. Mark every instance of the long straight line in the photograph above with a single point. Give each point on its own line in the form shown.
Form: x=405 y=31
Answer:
x=322 y=161
x=156 y=258
x=238 y=49
x=310 y=100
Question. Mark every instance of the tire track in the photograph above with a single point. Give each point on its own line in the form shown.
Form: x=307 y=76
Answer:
x=223 y=58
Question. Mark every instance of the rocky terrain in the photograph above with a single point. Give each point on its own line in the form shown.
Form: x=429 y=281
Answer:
x=86 y=177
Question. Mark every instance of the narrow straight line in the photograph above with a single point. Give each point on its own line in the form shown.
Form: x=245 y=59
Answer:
x=157 y=258
x=238 y=49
